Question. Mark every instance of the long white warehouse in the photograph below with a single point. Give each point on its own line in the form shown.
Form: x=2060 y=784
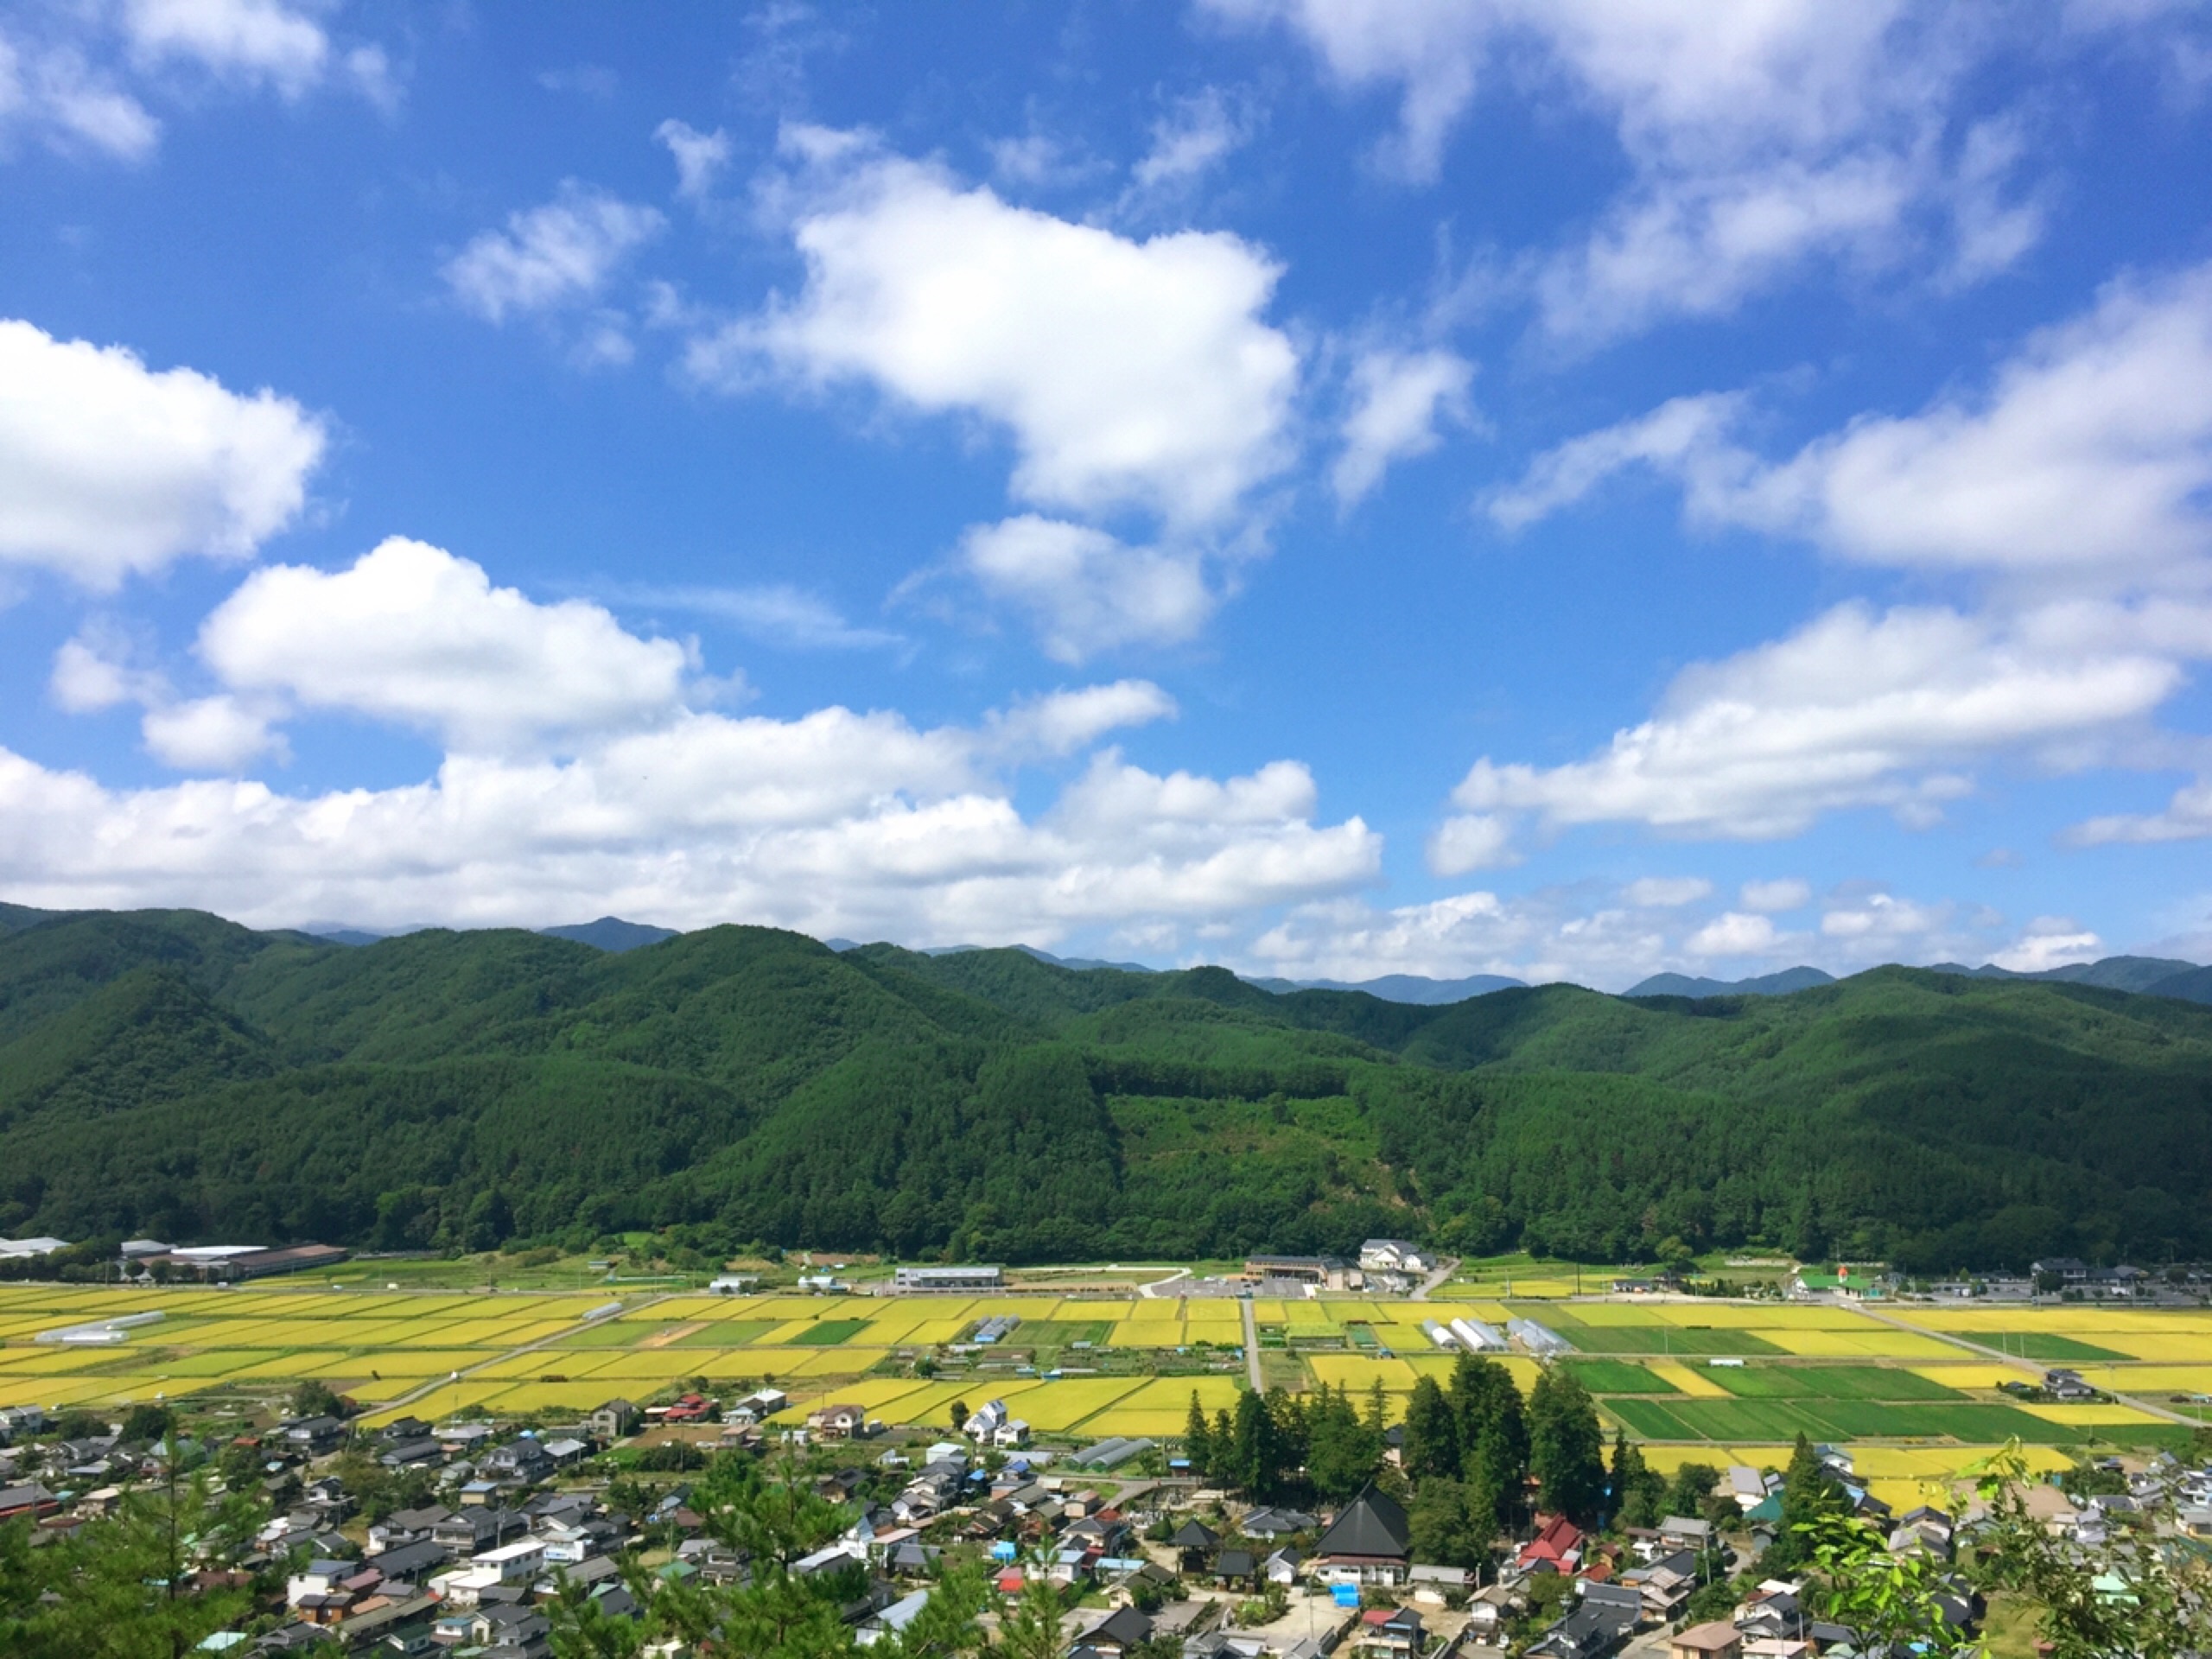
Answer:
x=1477 y=1337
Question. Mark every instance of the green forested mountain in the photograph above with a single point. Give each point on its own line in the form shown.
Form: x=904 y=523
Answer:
x=168 y=1072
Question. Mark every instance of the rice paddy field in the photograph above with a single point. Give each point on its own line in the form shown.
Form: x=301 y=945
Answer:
x=1914 y=1390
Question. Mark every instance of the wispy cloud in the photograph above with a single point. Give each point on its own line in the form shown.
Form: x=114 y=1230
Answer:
x=774 y=612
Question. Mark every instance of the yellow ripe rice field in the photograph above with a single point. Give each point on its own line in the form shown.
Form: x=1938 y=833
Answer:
x=1686 y=1379
x=2090 y=1413
x=1647 y=1360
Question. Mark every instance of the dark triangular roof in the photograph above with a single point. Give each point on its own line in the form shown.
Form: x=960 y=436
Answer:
x=1373 y=1524
x=1124 y=1624
x=1195 y=1534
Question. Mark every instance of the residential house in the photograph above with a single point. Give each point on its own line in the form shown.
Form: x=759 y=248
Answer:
x=1120 y=1630
x=319 y=1580
x=690 y=1408
x=1747 y=1486
x=468 y=1532
x=33 y=1500
x=912 y=1559
x=613 y=1421
x=312 y=1436
x=17 y=1422
x=1270 y=1525
x=762 y=1403
x=1394 y=1256
x=840 y=1422
x=1432 y=1584
x=1557 y=1547
x=1592 y=1631
x=412 y=1563
x=1664 y=1583
x=516 y=1563
x=891 y=1622
x=1715 y=1639
x=1395 y=1632
x=399 y=1455
x=1370 y=1539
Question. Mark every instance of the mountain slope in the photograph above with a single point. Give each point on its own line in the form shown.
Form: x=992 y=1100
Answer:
x=168 y=1072
x=2193 y=986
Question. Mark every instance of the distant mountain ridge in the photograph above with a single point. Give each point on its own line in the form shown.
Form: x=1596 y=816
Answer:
x=610 y=933
x=1418 y=989
x=2143 y=976
x=2112 y=973
x=1775 y=984
x=2168 y=976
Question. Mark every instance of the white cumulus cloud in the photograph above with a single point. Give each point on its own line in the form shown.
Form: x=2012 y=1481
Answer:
x=1733 y=933
x=835 y=822
x=700 y=156
x=2049 y=942
x=109 y=469
x=1397 y=399
x=412 y=634
x=1758 y=134
x=1856 y=709
x=1087 y=591
x=218 y=733
x=557 y=254
x=1195 y=137
x=253 y=41
x=1666 y=891
x=2090 y=451
x=2074 y=487
x=1472 y=840
x=1128 y=373
x=1777 y=897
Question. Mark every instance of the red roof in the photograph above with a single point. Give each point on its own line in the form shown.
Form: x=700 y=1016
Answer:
x=1560 y=1532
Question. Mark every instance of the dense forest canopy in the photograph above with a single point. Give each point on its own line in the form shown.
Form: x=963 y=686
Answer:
x=173 y=1074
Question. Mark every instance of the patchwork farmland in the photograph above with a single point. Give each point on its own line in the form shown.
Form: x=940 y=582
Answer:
x=1916 y=1390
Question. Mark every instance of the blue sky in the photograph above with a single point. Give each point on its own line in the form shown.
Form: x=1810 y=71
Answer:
x=1332 y=487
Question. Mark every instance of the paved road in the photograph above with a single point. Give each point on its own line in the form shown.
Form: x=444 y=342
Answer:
x=1434 y=1280
x=1251 y=1346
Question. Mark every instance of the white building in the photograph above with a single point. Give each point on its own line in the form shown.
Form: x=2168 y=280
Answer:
x=1394 y=1256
